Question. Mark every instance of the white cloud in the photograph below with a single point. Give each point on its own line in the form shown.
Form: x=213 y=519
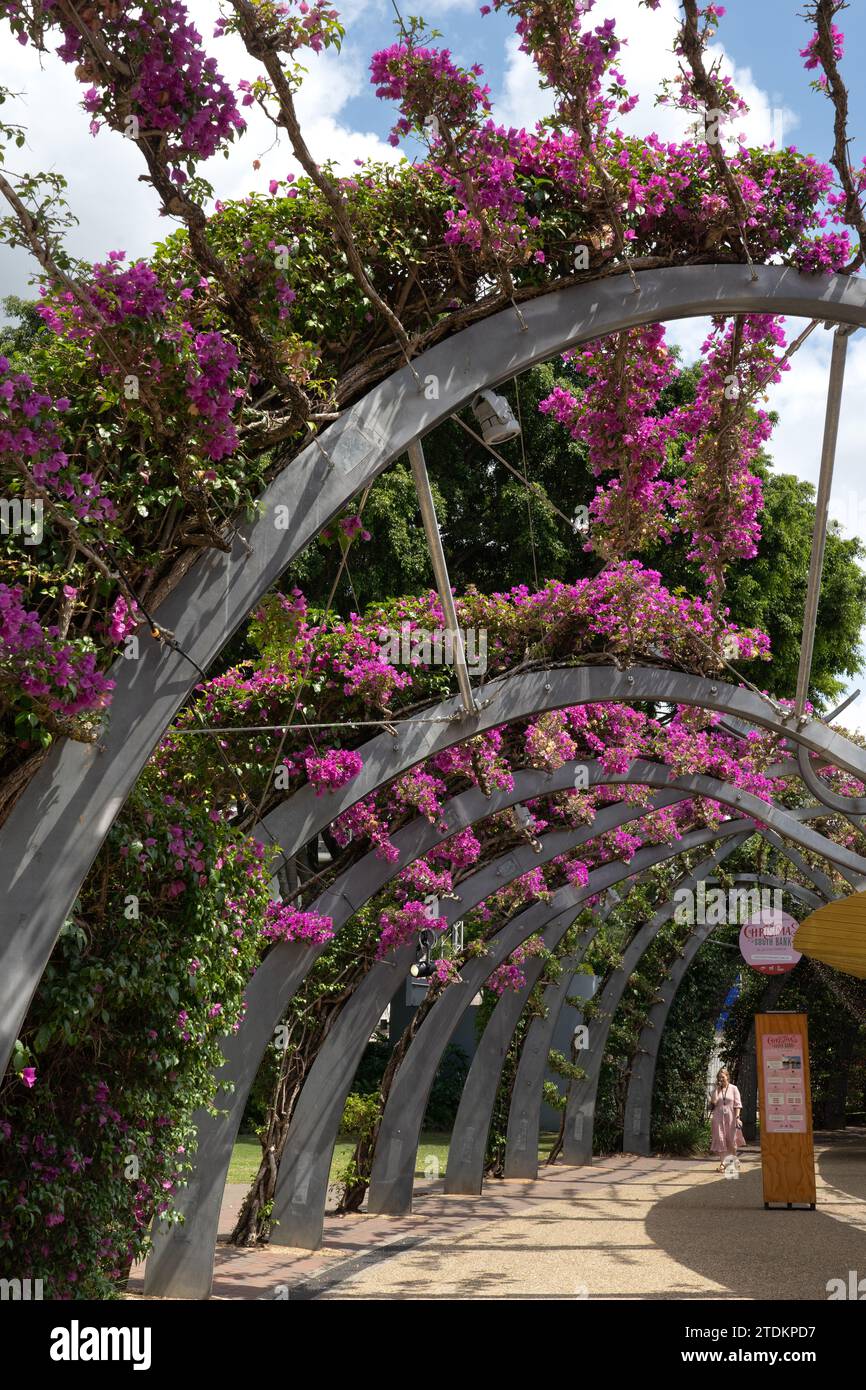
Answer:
x=116 y=210
x=522 y=102
x=645 y=60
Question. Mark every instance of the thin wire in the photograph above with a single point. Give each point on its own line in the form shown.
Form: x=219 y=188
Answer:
x=499 y=458
x=529 y=512
x=334 y=724
x=308 y=668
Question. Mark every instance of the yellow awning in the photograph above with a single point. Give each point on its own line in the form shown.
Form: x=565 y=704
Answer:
x=836 y=935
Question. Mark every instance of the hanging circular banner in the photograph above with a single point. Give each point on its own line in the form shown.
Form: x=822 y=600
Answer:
x=766 y=941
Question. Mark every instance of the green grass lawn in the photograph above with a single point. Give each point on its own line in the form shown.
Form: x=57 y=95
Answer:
x=247 y=1153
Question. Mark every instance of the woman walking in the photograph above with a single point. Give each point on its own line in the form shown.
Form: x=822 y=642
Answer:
x=725 y=1108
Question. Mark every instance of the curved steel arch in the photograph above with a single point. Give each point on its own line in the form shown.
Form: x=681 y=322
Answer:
x=466 y=1154
x=55 y=830
x=848 y=805
x=181 y=1263
x=178 y=1260
x=823 y=884
x=521 y=1156
x=637 y=1117
x=520 y=696
x=582 y=1094
x=393 y=1168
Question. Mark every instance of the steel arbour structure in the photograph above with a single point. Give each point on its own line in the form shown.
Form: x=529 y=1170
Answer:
x=182 y=1262
x=182 y=1252
x=580 y=1110
x=469 y=1137
x=303 y=1175
x=56 y=828
x=394 y=1158
x=637 y=1119
x=468 y=1145
x=60 y=821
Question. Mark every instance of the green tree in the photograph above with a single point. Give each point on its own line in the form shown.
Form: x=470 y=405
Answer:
x=499 y=531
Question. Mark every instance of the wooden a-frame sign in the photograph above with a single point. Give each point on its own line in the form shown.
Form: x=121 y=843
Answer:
x=787 y=1153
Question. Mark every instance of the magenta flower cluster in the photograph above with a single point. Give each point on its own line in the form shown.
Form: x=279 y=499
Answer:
x=174 y=89
x=511 y=974
x=62 y=677
x=398 y=926
x=286 y=923
x=333 y=769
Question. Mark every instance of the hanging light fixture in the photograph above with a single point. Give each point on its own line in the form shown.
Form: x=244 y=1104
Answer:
x=495 y=417
x=423 y=967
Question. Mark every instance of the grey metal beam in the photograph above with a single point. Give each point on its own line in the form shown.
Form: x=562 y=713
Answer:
x=579 y=1126
x=822 y=505
x=822 y=882
x=468 y=1146
x=440 y=570
x=524 y=1112
x=393 y=1168
x=637 y=1119
x=182 y=1257
x=466 y=1152
x=785 y=885
x=58 y=824
x=848 y=805
x=181 y=1262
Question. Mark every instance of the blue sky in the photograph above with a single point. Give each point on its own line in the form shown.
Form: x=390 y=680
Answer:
x=762 y=35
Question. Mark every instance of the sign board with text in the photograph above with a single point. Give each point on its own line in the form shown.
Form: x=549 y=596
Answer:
x=766 y=942
x=787 y=1154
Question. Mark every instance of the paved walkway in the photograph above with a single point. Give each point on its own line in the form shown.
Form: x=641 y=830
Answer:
x=623 y=1228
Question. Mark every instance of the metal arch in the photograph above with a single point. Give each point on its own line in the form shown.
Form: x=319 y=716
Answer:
x=465 y=1171
x=183 y=1255
x=181 y=1263
x=521 y=1155
x=531 y=1087
x=580 y=1110
x=520 y=696
x=848 y=805
x=637 y=1117
x=56 y=828
x=392 y=1174
x=182 y=1250
x=524 y=1112
x=821 y=881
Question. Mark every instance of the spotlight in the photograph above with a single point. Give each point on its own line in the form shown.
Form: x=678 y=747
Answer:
x=495 y=417
x=423 y=967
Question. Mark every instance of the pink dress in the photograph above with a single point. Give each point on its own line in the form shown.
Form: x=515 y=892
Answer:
x=727 y=1137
